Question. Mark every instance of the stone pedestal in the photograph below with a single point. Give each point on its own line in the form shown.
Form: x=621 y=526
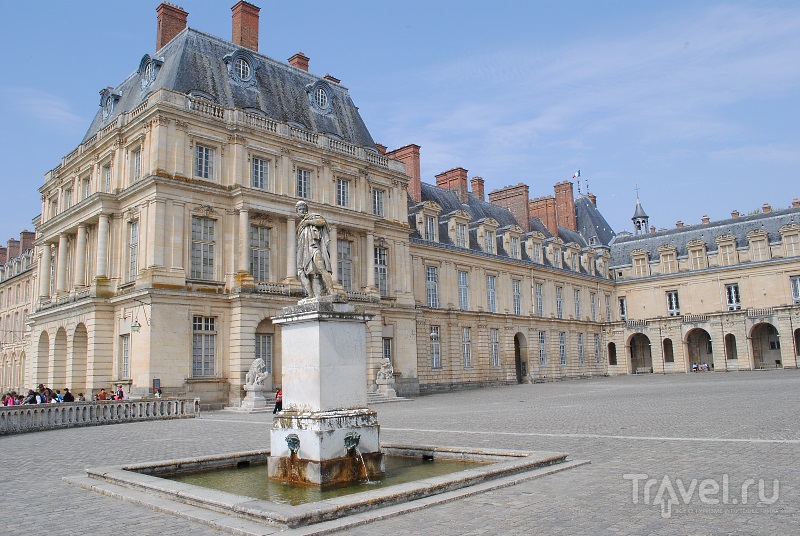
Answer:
x=254 y=399
x=386 y=387
x=326 y=435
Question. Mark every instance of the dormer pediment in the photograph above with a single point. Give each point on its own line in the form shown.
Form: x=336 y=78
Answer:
x=725 y=238
x=536 y=235
x=667 y=248
x=757 y=234
x=790 y=228
x=639 y=253
x=431 y=207
x=695 y=243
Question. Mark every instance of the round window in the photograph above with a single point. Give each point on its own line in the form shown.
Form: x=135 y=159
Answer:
x=149 y=72
x=242 y=69
x=321 y=97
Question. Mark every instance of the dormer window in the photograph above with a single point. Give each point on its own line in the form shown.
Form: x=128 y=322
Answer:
x=428 y=221
x=321 y=97
x=108 y=101
x=243 y=70
x=241 y=66
x=148 y=70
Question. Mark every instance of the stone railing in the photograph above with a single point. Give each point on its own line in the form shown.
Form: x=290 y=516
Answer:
x=693 y=319
x=342 y=147
x=38 y=417
x=260 y=123
x=360 y=296
x=304 y=135
x=759 y=312
x=204 y=107
x=76 y=295
x=636 y=323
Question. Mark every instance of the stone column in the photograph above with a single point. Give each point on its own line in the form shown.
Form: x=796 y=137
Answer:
x=102 y=246
x=244 y=240
x=370 y=253
x=333 y=251
x=61 y=269
x=80 y=257
x=291 y=249
x=44 y=272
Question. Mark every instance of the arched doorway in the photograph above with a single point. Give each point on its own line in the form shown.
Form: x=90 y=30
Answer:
x=265 y=350
x=730 y=347
x=797 y=342
x=641 y=358
x=520 y=357
x=699 y=349
x=669 y=351
x=76 y=379
x=40 y=372
x=766 y=344
x=612 y=353
x=58 y=367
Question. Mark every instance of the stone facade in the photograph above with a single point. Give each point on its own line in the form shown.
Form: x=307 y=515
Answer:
x=16 y=284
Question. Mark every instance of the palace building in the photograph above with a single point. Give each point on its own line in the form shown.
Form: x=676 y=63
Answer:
x=166 y=243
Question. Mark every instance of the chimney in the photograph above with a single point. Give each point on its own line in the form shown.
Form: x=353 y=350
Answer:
x=679 y=224
x=795 y=203
x=171 y=22
x=544 y=208
x=26 y=239
x=381 y=148
x=705 y=219
x=734 y=213
x=592 y=198
x=245 y=25
x=652 y=229
x=3 y=255
x=409 y=155
x=565 y=206
x=13 y=248
x=477 y=188
x=765 y=208
x=330 y=78
x=454 y=179
x=300 y=61
x=517 y=200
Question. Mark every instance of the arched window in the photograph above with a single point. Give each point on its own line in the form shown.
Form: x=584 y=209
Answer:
x=612 y=353
x=669 y=356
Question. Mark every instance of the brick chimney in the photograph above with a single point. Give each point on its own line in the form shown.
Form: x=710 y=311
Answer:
x=3 y=255
x=300 y=61
x=454 y=179
x=517 y=200
x=766 y=208
x=331 y=78
x=13 y=248
x=592 y=198
x=476 y=183
x=544 y=208
x=565 y=205
x=409 y=155
x=652 y=229
x=26 y=239
x=795 y=203
x=171 y=22
x=381 y=148
x=706 y=220
x=245 y=25
x=679 y=224
x=734 y=213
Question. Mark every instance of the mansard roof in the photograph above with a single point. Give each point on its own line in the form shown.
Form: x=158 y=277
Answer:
x=591 y=224
x=198 y=63
x=771 y=222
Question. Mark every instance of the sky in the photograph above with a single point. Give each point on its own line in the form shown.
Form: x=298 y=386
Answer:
x=693 y=102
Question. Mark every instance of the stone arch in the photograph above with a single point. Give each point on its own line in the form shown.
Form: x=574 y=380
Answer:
x=42 y=359
x=699 y=349
x=639 y=354
x=669 y=350
x=730 y=347
x=797 y=342
x=265 y=344
x=520 y=356
x=765 y=343
x=58 y=365
x=612 y=354
x=76 y=376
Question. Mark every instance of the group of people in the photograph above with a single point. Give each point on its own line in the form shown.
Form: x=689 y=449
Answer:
x=46 y=395
x=700 y=367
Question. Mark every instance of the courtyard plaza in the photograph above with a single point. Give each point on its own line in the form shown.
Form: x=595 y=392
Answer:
x=724 y=427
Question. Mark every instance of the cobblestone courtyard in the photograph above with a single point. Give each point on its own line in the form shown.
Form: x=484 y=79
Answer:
x=727 y=428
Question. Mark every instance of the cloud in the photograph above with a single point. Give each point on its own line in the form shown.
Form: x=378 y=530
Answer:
x=44 y=107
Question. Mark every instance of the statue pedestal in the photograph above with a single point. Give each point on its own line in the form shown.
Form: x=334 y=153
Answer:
x=254 y=399
x=326 y=435
x=386 y=387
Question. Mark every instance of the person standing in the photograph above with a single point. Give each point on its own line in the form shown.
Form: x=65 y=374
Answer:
x=278 y=401
x=68 y=396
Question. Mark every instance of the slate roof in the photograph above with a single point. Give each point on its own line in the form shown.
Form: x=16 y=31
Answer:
x=193 y=62
x=591 y=224
x=771 y=222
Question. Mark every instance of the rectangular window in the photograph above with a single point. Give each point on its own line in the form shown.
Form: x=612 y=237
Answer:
x=382 y=271
x=673 y=306
x=67 y=199
x=514 y=247
x=560 y=302
x=304 y=183
x=580 y=348
x=577 y=296
x=791 y=244
x=758 y=250
x=466 y=348
x=432 y=285
x=494 y=340
x=668 y=265
x=259 y=252
x=539 y=291
x=593 y=303
x=343 y=192
x=259 y=173
x=698 y=259
x=732 y=297
x=608 y=308
x=726 y=254
x=87 y=188
x=542 y=348
x=557 y=257
x=516 y=289
x=436 y=348
x=596 y=348
x=463 y=291
x=204 y=342
x=640 y=266
x=202 y=262
x=125 y=369
x=795 y=284
x=344 y=249
x=377 y=202
x=106 y=174
x=562 y=347
x=488 y=241
x=537 y=253
x=204 y=162
x=137 y=165
x=133 y=250
x=623 y=308
x=387 y=348
x=430 y=228
x=461 y=235
x=264 y=351
x=491 y=293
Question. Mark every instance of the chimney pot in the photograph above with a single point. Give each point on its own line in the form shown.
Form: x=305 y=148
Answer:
x=409 y=155
x=679 y=224
x=300 y=61
x=245 y=25
x=592 y=198
x=477 y=188
x=795 y=203
x=652 y=229
x=381 y=148
x=766 y=208
x=734 y=213
x=171 y=22
x=331 y=78
x=706 y=219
